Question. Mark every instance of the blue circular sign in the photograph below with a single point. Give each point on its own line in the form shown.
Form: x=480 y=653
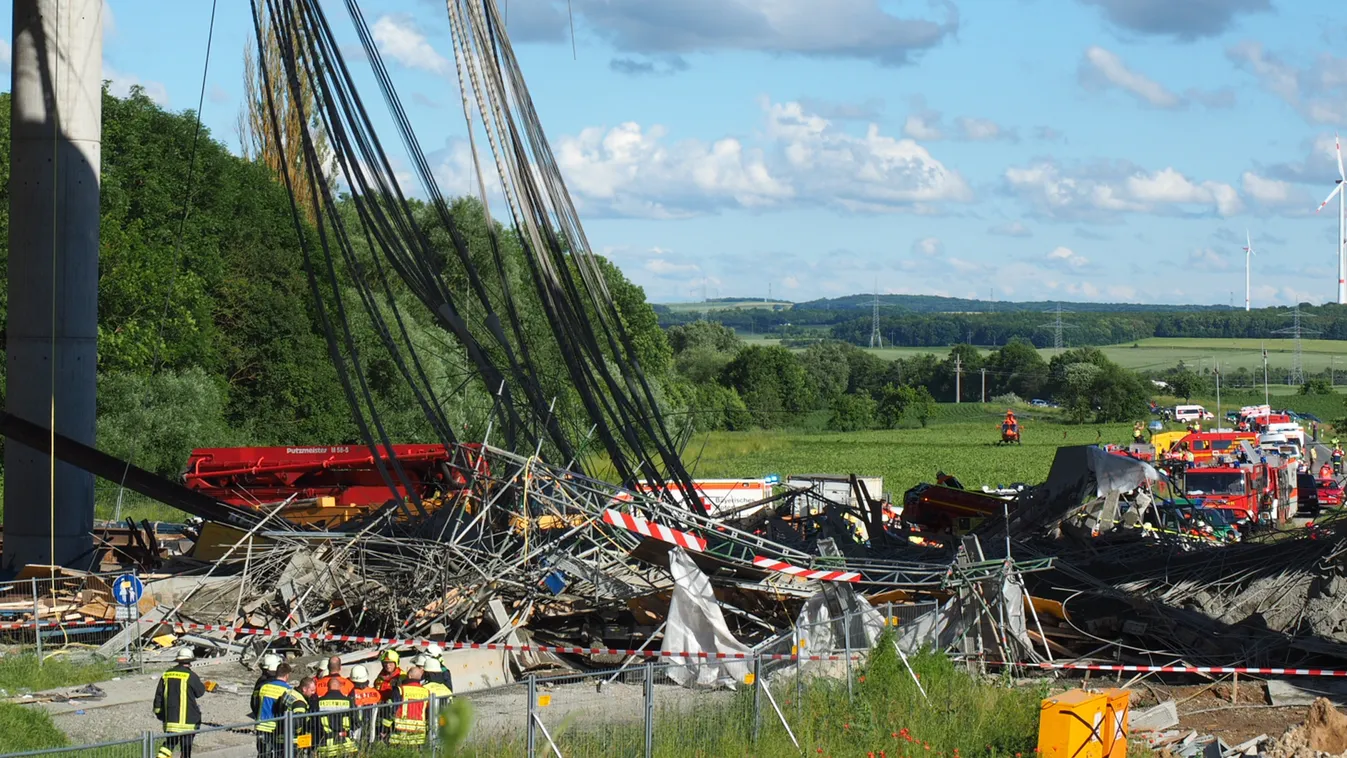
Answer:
x=127 y=589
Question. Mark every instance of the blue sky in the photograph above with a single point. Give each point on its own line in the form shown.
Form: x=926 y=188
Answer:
x=1026 y=149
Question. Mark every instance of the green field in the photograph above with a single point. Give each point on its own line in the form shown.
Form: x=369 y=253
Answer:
x=1161 y=353
x=726 y=305
x=961 y=441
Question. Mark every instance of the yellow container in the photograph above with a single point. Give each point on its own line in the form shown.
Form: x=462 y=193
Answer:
x=1116 y=712
x=1071 y=725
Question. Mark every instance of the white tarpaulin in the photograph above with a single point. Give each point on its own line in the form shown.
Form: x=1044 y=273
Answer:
x=1117 y=473
x=817 y=632
x=696 y=625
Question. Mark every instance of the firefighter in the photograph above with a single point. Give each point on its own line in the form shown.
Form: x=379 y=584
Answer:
x=386 y=682
x=270 y=702
x=406 y=721
x=436 y=679
x=434 y=668
x=1337 y=457
x=364 y=697
x=334 y=734
x=270 y=662
x=1314 y=455
x=1325 y=472
x=391 y=673
x=175 y=705
x=334 y=679
x=303 y=714
x=1138 y=434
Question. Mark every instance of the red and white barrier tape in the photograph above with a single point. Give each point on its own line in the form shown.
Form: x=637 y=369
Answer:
x=657 y=531
x=772 y=564
x=1179 y=669
x=243 y=631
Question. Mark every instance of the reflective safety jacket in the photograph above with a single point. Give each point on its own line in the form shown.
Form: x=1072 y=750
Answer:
x=439 y=690
x=175 y=699
x=364 y=696
x=335 y=681
x=386 y=683
x=333 y=733
x=272 y=700
x=409 y=717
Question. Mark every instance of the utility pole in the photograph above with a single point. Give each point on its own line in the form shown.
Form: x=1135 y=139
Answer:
x=984 y=386
x=56 y=115
x=876 y=337
x=958 y=376
x=1219 y=417
x=1266 y=401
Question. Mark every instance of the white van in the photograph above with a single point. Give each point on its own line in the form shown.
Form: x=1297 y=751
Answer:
x=1292 y=431
x=1192 y=413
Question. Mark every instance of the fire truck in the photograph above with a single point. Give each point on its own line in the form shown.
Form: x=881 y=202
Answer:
x=1262 y=491
x=1207 y=446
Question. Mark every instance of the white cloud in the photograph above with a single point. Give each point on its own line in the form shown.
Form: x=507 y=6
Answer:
x=1207 y=259
x=802 y=160
x=399 y=38
x=1100 y=192
x=1185 y=20
x=928 y=125
x=846 y=29
x=1274 y=192
x=980 y=129
x=1011 y=229
x=917 y=127
x=1067 y=259
x=791 y=283
x=5 y=54
x=1318 y=93
x=928 y=247
x=1102 y=68
x=663 y=267
x=120 y=84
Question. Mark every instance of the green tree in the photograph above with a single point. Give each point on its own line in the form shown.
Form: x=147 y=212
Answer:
x=771 y=382
x=851 y=413
x=826 y=366
x=1017 y=367
x=894 y=402
x=1184 y=382
x=156 y=421
x=1316 y=387
x=704 y=335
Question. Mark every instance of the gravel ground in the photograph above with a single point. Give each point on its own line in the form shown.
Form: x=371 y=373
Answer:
x=125 y=714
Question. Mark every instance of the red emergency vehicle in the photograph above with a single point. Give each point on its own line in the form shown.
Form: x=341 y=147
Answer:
x=1209 y=445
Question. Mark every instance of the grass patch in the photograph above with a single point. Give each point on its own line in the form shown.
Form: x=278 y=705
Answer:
x=22 y=672
x=25 y=727
x=965 y=447
x=962 y=717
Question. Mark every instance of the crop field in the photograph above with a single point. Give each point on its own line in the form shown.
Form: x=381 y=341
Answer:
x=725 y=305
x=1162 y=353
x=960 y=441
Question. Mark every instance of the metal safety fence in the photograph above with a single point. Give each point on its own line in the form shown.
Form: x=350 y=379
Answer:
x=646 y=707
x=58 y=613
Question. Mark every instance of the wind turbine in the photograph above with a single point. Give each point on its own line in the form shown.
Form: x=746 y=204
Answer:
x=1342 y=223
x=1248 y=256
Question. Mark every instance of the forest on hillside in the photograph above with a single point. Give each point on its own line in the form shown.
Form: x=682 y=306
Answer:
x=901 y=327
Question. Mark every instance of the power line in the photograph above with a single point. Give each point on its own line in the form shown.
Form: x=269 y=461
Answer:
x=1297 y=373
x=1057 y=325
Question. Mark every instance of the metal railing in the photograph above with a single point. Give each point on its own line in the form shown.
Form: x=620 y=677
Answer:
x=59 y=612
x=639 y=708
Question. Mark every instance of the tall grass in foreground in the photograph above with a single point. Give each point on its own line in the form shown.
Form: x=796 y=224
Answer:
x=885 y=715
x=22 y=672
x=28 y=727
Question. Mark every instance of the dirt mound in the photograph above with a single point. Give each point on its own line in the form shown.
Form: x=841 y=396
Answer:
x=1323 y=733
x=1325 y=728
